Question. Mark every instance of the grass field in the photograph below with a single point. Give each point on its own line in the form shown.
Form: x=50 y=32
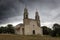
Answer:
x=27 y=37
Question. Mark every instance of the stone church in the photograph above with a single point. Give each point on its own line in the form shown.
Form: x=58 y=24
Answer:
x=29 y=26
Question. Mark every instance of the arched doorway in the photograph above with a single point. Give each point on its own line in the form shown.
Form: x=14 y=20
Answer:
x=33 y=32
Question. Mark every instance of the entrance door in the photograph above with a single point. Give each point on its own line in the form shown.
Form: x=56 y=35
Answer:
x=23 y=31
x=33 y=32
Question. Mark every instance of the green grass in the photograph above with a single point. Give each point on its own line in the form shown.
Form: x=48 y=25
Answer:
x=26 y=37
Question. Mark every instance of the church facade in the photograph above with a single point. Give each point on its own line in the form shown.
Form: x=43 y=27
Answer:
x=29 y=26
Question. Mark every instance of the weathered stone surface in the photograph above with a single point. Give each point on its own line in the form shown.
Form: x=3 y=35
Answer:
x=29 y=26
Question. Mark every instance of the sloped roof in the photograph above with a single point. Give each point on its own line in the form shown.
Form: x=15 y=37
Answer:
x=19 y=26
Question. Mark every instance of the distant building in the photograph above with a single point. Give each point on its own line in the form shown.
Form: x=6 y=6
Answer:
x=29 y=26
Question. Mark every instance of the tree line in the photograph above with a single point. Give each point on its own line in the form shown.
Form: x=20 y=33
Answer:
x=9 y=29
x=55 y=31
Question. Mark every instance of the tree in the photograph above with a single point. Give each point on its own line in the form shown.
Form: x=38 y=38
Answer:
x=3 y=29
x=56 y=29
x=10 y=29
x=46 y=30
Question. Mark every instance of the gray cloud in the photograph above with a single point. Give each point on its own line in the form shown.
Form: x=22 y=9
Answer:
x=9 y=8
x=12 y=9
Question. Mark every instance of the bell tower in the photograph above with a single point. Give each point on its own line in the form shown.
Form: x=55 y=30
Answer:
x=25 y=13
x=37 y=18
x=25 y=19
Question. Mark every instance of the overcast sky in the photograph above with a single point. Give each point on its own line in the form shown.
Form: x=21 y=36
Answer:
x=11 y=11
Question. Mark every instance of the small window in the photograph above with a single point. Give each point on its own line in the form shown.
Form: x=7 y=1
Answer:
x=33 y=25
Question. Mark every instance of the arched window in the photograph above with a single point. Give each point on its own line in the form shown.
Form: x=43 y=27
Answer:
x=26 y=16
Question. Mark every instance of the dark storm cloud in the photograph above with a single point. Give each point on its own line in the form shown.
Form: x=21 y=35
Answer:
x=12 y=10
x=5 y=8
x=8 y=8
